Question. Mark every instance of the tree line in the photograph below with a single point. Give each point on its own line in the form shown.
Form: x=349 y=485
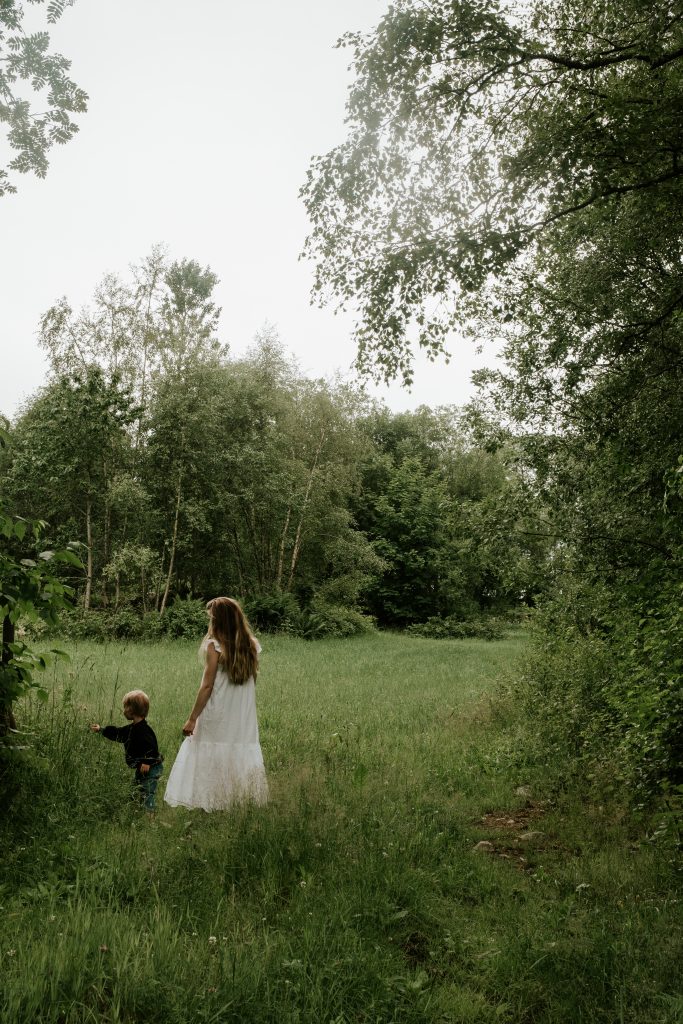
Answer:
x=185 y=472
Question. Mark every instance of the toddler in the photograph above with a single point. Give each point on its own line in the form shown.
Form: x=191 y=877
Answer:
x=140 y=746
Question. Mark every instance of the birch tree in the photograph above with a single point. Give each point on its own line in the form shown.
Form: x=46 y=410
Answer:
x=69 y=446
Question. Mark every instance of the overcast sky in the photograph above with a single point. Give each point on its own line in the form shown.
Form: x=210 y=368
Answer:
x=201 y=124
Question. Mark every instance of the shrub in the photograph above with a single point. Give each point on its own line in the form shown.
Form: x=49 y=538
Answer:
x=603 y=685
x=276 y=612
x=325 y=620
x=76 y=624
x=185 y=619
x=124 y=624
x=152 y=626
x=451 y=628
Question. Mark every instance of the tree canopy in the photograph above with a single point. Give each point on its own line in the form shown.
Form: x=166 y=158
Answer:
x=481 y=134
x=26 y=64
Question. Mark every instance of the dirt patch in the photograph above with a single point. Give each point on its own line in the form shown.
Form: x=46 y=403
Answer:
x=514 y=821
x=416 y=948
x=511 y=827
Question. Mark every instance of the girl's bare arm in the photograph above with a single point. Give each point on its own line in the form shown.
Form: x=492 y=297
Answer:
x=205 y=689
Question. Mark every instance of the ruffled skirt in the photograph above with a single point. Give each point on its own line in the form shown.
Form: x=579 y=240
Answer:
x=214 y=776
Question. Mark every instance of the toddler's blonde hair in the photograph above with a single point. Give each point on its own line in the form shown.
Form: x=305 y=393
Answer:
x=138 y=702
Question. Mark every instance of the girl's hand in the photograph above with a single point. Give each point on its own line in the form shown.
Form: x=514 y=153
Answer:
x=144 y=768
x=94 y=727
x=188 y=728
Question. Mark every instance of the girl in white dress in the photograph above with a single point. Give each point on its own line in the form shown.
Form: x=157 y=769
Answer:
x=220 y=761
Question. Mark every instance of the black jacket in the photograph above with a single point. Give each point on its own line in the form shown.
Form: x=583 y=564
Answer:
x=139 y=742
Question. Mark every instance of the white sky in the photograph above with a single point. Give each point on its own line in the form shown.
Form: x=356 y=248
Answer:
x=201 y=124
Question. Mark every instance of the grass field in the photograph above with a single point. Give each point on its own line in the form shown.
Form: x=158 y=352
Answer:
x=356 y=894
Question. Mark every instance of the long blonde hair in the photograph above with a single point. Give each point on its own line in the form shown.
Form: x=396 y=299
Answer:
x=229 y=627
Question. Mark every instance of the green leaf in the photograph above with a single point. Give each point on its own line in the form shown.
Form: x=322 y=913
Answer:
x=68 y=557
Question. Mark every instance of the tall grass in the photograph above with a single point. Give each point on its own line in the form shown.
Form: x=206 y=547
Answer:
x=355 y=894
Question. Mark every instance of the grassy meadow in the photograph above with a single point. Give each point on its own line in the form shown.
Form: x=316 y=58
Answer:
x=356 y=894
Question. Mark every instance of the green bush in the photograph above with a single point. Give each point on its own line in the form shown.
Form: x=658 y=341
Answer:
x=77 y=624
x=603 y=686
x=451 y=628
x=124 y=624
x=185 y=619
x=152 y=626
x=276 y=612
x=324 y=620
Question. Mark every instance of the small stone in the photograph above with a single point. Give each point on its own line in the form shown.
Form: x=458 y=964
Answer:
x=484 y=847
x=524 y=791
x=530 y=837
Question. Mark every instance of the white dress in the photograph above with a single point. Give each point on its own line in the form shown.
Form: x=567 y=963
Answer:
x=221 y=763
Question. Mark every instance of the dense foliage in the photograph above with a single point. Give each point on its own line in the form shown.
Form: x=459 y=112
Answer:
x=436 y=498
x=517 y=173
x=186 y=473
x=30 y=591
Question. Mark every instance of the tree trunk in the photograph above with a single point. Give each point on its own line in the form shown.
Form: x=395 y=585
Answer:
x=297 y=539
x=107 y=551
x=146 y=339
x=143 y=587
x=159 y=579
x=7 y=720
x=248 y=515
x=258 y=553
x=267 y=544
x=238 y=560
x=173 y=548
x=281 y=554
x=143 y=386
x=88 y=537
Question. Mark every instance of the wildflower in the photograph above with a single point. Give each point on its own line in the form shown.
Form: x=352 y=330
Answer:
x=212 y=939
